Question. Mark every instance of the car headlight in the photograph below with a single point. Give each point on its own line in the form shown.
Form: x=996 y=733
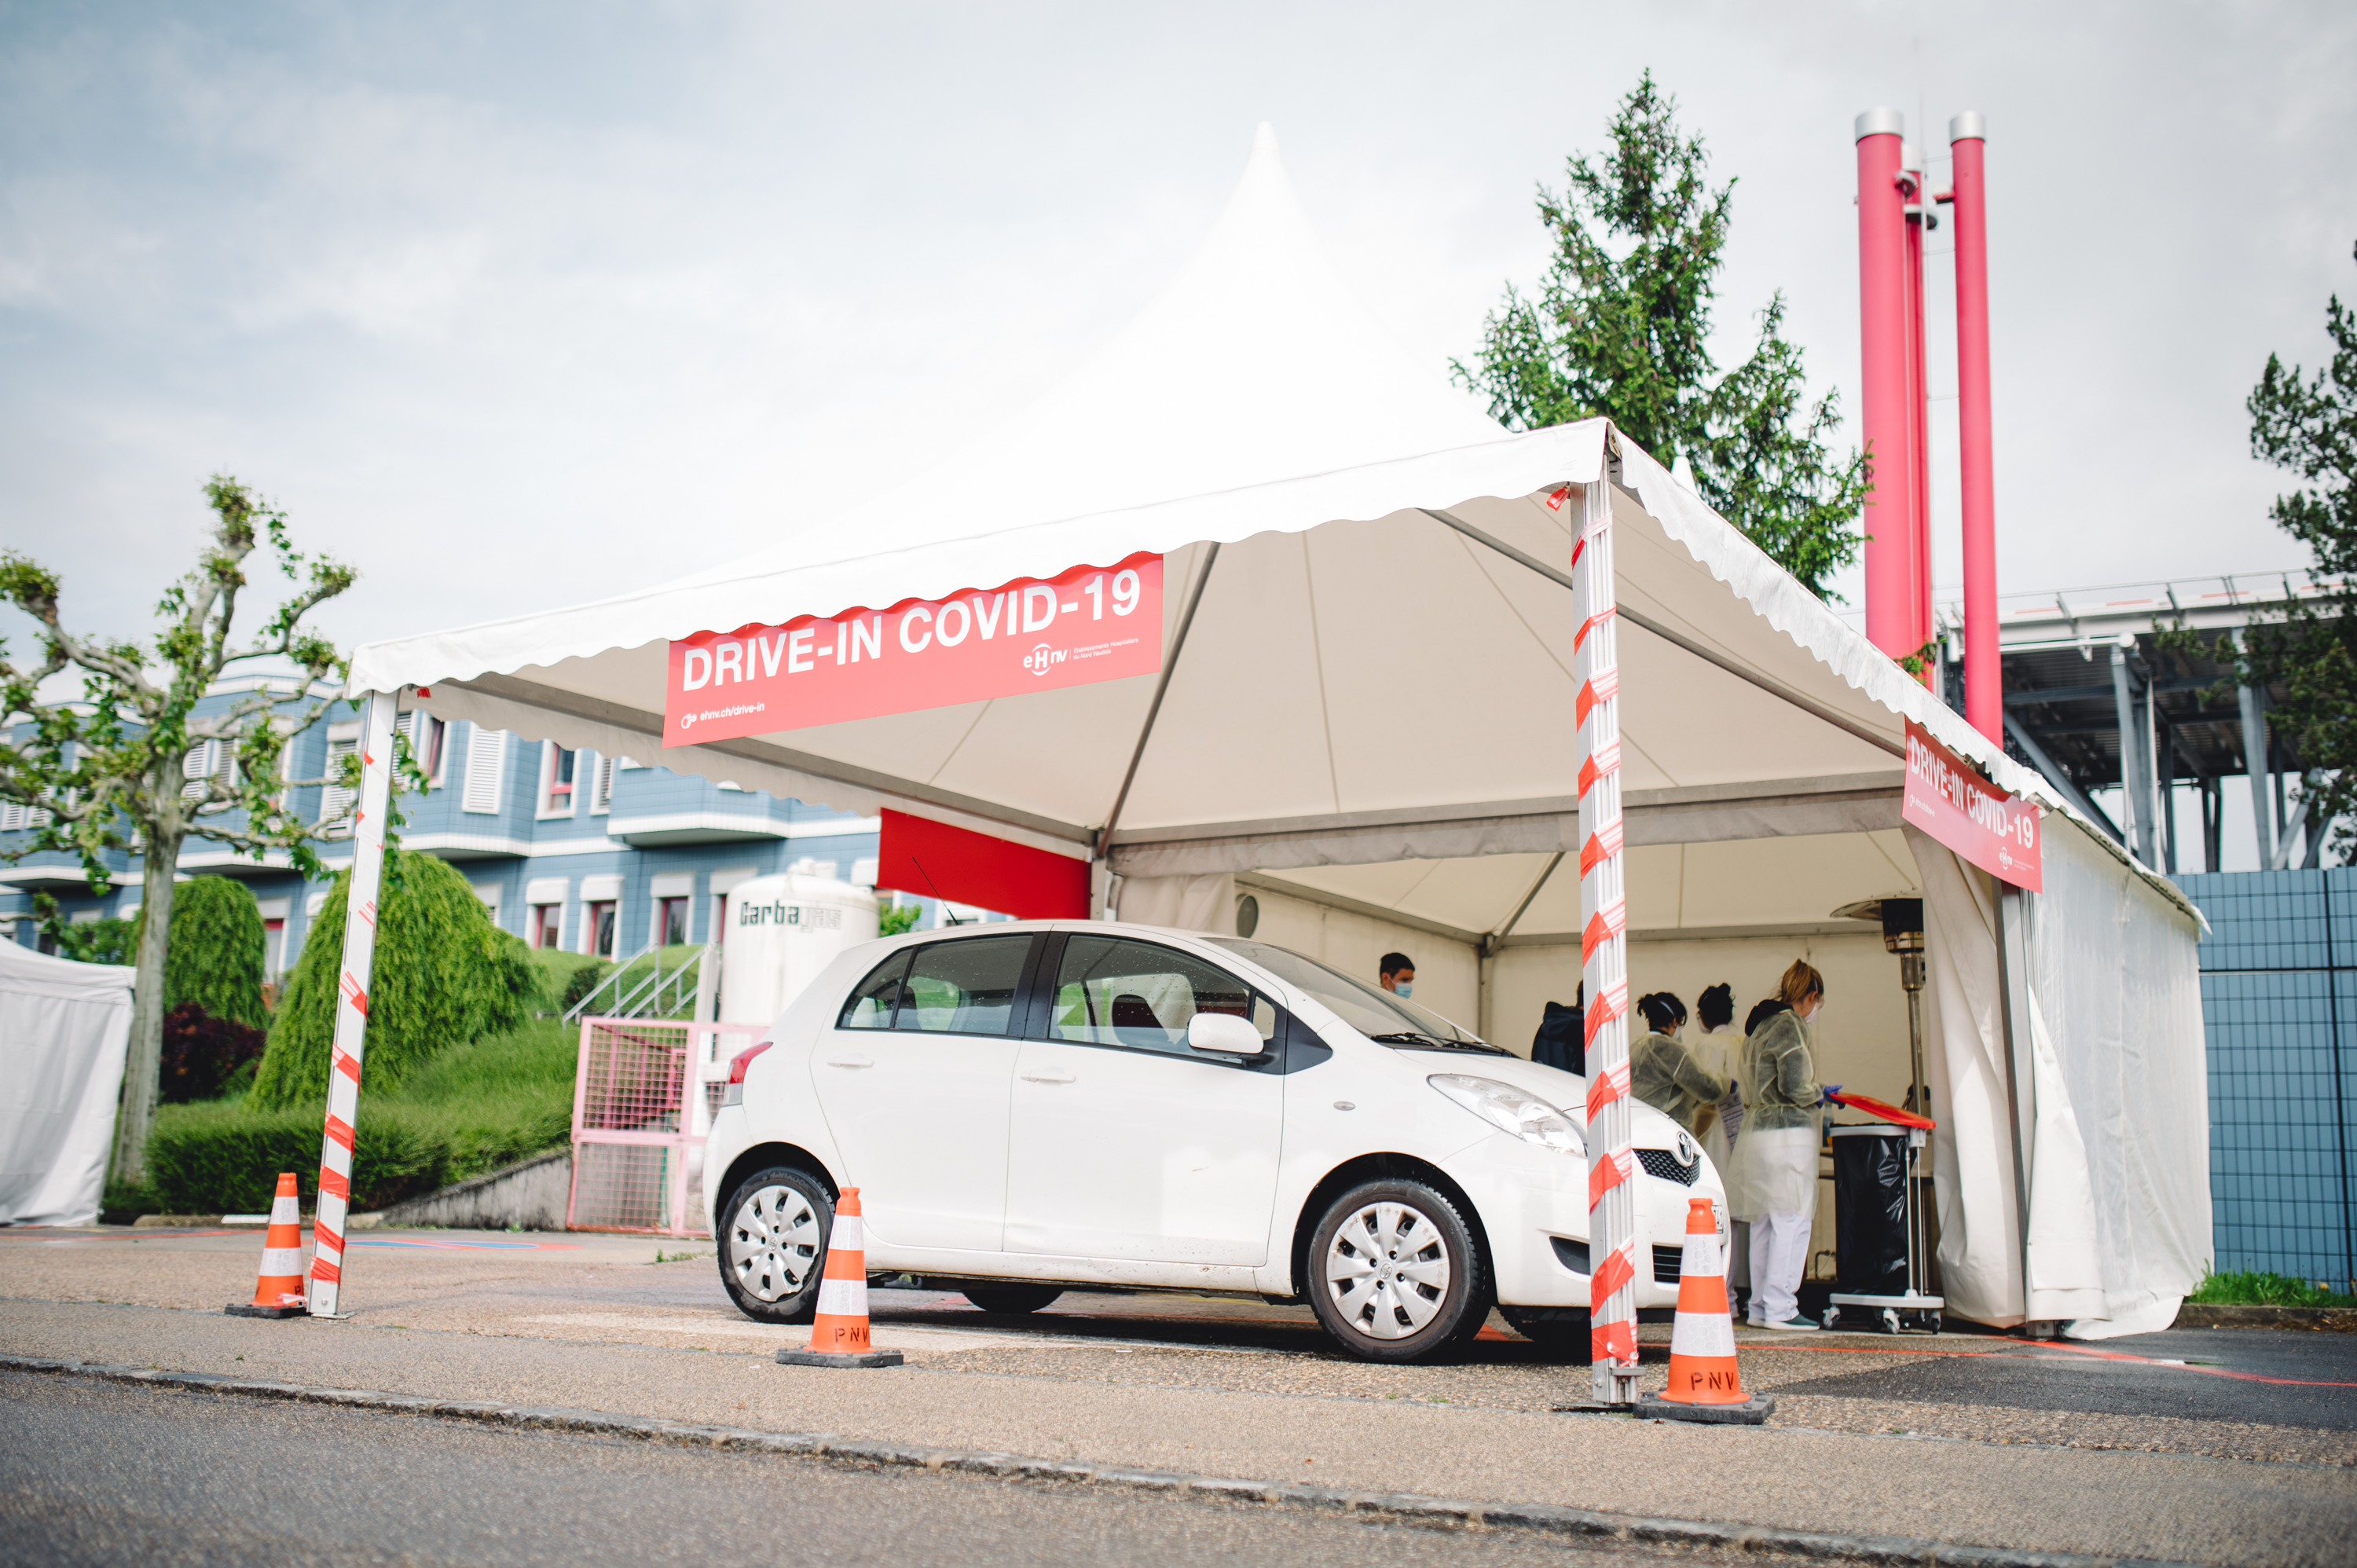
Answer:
x=1512 y=1110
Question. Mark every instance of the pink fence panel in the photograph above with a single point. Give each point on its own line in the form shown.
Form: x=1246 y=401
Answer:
x=638 y=1131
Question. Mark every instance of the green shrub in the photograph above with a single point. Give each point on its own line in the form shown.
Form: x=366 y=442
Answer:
x=581 y=983
x=94 y=941
x=214 y=955
x=471 y=1109
x=899 y=917
x=443 y=975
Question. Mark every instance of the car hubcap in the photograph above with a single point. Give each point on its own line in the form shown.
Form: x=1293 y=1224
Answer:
x=1387 y=1271
x=773 y=1244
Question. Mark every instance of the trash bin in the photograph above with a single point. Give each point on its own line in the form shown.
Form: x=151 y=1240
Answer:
x=1870 y=1209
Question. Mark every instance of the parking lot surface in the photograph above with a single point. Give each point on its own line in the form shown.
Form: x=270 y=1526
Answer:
x=2216 y=1445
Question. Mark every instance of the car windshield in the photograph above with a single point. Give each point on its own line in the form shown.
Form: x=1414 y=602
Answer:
x=1375 y=1012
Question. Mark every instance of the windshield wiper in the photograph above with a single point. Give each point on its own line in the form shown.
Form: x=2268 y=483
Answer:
x=1413 y=1037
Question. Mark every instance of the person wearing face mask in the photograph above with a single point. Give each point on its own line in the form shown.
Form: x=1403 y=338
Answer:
x=1719 y=1048
x=1397 y=974
x=1662 y=1072
x=1776 y=1153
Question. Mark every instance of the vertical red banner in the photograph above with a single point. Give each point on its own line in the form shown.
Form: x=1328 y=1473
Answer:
x=1956 y=805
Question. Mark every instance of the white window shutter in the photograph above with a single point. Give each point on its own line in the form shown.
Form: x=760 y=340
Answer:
x=487 y=751
x=601 y=796
x=336 y=798
x=12 y=818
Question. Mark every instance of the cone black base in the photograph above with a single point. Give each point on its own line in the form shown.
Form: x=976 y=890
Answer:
x=1751 y=1413
x=247 y=1309
x=826 y=1358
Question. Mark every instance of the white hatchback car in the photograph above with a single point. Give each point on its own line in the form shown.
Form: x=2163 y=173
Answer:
x=1040 y=1106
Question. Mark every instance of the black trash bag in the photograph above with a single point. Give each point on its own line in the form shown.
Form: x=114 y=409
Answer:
x=1870 y=1209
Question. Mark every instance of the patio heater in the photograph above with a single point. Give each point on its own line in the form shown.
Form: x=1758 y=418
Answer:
x=1882 y=1241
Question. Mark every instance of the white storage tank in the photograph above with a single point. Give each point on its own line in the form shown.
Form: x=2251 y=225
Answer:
x=782 y=931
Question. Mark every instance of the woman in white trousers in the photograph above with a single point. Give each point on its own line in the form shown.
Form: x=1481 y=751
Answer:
x=1775 y=1161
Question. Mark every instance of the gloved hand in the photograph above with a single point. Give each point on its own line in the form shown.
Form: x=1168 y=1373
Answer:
x=1829 y=1090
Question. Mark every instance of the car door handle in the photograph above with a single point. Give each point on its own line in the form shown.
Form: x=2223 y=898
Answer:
x=1047 y=1075
x=850 y=1061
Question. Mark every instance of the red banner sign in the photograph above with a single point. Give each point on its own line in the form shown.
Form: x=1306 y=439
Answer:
x=1090 y=624
x=1965 y=812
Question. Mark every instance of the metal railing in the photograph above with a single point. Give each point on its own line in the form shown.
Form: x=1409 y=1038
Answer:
x=634 y=992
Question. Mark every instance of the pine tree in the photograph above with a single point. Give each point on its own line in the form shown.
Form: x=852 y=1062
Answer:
x=1620 y=327
x=2308 y=424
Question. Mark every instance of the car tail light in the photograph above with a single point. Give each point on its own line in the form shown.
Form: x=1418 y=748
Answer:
x=734 y=1094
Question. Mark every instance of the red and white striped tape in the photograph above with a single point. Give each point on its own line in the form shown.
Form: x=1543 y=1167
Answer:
x=339 y=1136
x=1604 y=956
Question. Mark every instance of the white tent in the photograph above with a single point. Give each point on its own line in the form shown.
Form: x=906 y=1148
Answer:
x=64 y=1027
x=1364 y=722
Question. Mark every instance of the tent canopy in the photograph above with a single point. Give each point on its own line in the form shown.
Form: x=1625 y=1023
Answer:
x=1365 y=682
x=1368 y=639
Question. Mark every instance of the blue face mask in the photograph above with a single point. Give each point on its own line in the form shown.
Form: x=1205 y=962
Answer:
x=1402 y=989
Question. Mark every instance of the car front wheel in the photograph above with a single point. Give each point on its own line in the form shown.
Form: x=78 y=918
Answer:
x=1395 y=1274
x=773 y=1244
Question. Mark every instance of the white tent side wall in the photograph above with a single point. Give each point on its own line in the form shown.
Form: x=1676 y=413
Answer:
x=64 y=1030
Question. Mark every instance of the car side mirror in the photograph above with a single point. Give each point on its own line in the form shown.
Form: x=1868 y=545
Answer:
x=1226 y=1034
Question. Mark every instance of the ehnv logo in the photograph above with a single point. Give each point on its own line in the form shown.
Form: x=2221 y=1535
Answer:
x=1042 y=659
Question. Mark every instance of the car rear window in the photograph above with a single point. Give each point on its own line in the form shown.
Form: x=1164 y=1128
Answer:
x=959 y=987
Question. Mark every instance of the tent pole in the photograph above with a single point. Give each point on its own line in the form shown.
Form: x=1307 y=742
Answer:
x=1604 y=958
x=351 y=1005
x=2020 y=1087
x=1777 y=689
x=1154 y=709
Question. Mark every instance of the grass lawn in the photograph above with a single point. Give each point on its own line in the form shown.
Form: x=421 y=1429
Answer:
x=2245 y=1288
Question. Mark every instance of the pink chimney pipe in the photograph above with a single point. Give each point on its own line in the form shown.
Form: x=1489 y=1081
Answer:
x=1984 y=674
x=1891 y=598
x=1916 y=207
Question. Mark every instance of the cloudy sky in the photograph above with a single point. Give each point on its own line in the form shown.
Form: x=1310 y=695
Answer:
x=522 y=305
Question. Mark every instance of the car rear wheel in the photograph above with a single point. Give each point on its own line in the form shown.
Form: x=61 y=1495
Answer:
x=1395 y=1274
x=773 y=1244
x=1011 y=1298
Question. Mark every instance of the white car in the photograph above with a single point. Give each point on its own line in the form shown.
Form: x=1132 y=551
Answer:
x=1038 y=1106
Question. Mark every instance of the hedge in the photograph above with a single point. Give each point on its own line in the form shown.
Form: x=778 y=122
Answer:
x=214 y=955
x=443 y=975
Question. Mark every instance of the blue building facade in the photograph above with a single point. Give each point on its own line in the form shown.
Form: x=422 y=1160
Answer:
x=567 y=849
x=2279 y=1002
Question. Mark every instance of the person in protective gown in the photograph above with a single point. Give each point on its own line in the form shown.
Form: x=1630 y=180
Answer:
x=1719 y=1048
x=1664 y=1073
x=1774 y=1184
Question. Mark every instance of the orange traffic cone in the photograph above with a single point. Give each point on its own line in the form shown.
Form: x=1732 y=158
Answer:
x=1704 y=1382
x=278 y=1292
x=839 y=1332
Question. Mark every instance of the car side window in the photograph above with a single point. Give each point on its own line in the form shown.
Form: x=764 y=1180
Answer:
x=871 y=1004
x=964 y=987
x=1112 y=992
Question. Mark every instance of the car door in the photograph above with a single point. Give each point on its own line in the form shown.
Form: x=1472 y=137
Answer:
x=913 y=1082
x=1125 y=1144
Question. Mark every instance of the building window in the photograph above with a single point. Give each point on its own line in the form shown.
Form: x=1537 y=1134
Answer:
x=556 y=765
x=601 y=788
x=425 y=733
x=600 y=922
x=273 y=947
x=547 y=925
x=670 y=921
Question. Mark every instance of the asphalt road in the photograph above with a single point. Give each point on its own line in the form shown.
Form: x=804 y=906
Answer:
x=2204 y=1374
x=98 y=1473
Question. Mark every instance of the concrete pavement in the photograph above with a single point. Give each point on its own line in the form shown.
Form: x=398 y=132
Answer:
x=1946 y=1438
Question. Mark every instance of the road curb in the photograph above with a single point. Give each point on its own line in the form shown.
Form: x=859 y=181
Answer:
x=1545 y=1518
